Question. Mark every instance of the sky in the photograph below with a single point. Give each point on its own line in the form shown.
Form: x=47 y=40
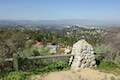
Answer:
x=59 y=9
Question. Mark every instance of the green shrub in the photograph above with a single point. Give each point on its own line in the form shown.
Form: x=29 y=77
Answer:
x=57 y=66
x=107 y=65
x=102 y=49
x=103 y=52
x=15 y=76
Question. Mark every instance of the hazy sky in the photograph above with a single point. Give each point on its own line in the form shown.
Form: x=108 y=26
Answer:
x=60 y=9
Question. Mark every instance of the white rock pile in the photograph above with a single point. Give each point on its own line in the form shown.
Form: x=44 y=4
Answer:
x=83 y=56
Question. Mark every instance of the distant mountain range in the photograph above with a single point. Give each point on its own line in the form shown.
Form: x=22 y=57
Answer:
x=60 y=22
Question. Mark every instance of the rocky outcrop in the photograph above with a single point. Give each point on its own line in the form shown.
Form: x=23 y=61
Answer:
x=83 y=55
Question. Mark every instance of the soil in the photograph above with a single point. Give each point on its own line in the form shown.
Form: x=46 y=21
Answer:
x=83 y=74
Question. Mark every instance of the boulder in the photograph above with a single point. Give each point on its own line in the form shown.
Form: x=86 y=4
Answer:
x=83 y=55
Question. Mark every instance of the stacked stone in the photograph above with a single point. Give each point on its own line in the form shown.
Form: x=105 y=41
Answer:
x=83 y=56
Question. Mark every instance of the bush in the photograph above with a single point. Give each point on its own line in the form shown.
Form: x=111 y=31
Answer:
x=107 y=65
x=102 y=49
x=104 y=52
x=57 y=66
x=33 y=51
x=15 y=76
x=30 y=65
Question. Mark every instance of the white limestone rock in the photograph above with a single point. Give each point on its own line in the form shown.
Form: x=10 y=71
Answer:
x=83 y=55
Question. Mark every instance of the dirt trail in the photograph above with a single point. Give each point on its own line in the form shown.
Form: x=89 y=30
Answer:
x=84 y=74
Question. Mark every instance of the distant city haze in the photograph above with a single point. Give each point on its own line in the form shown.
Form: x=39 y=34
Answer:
x=106 y=10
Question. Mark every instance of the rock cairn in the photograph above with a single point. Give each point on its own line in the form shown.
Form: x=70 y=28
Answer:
x=83 y=56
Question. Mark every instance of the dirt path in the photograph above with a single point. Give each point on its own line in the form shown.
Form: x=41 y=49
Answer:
x=84 y=74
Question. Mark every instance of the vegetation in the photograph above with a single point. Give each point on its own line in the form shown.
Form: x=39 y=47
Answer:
x=22 y=42
x=109 y=67
x=57 y=66
x=15 y=76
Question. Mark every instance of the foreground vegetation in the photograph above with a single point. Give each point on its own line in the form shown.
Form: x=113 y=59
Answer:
x=22 y=43
x=57 y=66
x=109 y=67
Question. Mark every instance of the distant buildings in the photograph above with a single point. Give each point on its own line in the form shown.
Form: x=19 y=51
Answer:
x=52 y=48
